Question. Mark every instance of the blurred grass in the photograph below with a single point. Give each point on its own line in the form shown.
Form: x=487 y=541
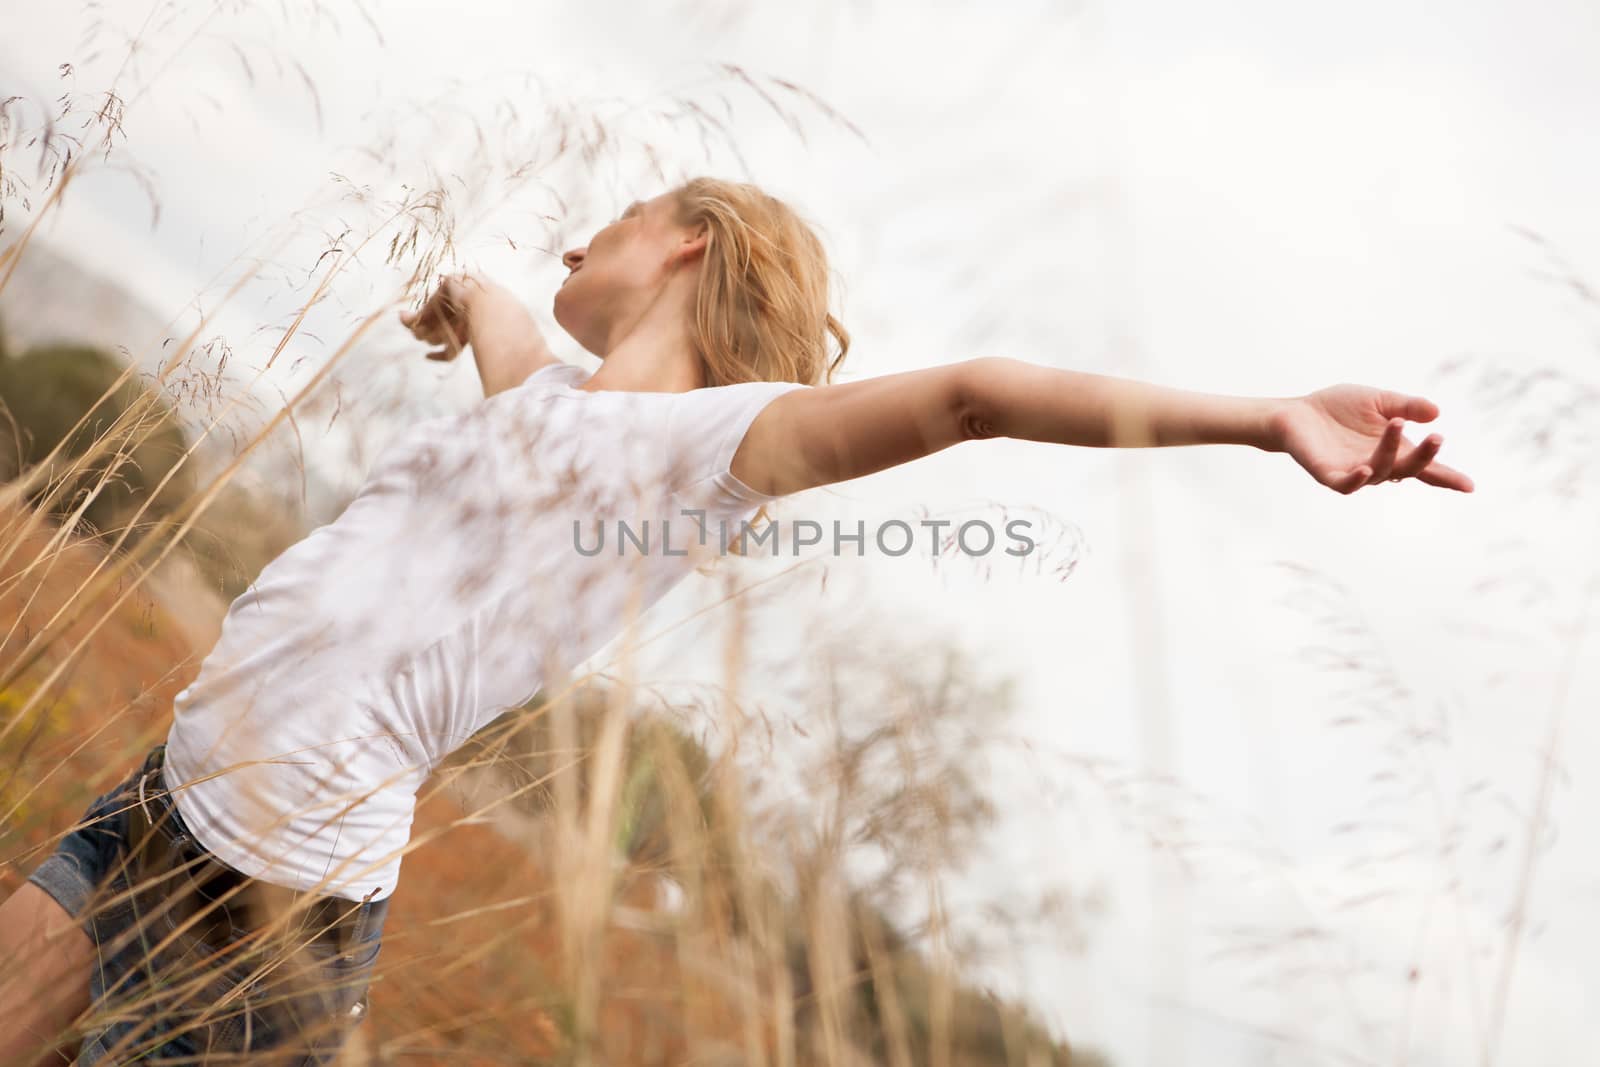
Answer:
x=587 y=883
x=518 y=935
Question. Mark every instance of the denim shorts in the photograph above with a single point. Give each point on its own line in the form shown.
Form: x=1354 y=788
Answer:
x=179 y=975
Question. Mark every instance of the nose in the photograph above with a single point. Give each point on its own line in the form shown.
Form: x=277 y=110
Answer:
x=574 y=258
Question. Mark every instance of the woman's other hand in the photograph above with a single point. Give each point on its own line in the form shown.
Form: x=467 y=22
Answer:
x=1350 y=436
x=470 y=310
x=443 y=318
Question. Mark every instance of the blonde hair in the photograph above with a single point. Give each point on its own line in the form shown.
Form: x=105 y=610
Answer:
x=761 y=305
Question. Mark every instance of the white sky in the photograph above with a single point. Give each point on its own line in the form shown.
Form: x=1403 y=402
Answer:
x=1240 y=197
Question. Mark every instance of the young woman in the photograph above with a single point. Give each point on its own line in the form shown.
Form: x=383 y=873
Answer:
x=456 y=584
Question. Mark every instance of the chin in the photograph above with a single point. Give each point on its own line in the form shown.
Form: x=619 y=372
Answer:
x=577 y=327
x=563 y=319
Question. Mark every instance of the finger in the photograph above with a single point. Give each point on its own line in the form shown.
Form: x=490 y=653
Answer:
x=423 y=318
x=1445 y=478
x=454 y=292
x=1349 y=481
x=1411 y=408
x=454 y=335
x=1382 y=461
x=1413 y=462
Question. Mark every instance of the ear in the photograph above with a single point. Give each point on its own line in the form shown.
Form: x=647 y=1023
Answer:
x=691 y=247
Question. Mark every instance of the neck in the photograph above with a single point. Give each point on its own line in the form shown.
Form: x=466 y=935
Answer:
x=654 y=354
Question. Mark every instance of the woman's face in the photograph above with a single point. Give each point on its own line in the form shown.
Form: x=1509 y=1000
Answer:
x=613 y=278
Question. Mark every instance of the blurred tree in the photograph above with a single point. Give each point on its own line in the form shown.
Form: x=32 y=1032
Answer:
x=896 y=787
x=45 y=393
x=239 y=533
x=522 y=747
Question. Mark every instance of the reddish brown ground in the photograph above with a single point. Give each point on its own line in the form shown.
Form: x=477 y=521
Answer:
x=459 y=981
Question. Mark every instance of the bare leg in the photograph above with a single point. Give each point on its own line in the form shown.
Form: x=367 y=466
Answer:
x=45 y=961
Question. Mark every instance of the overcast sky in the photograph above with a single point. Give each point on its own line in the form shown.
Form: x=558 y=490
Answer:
x=1243 y=197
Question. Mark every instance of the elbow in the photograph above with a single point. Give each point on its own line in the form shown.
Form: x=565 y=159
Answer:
x=973 y=396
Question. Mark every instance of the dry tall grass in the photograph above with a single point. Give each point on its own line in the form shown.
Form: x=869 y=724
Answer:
x=586 y=882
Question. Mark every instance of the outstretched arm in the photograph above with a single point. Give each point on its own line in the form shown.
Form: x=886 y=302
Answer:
x=1345 y=436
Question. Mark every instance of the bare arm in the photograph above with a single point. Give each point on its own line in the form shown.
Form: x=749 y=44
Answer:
x=833 y=433
x=1034 y=403
x=1346 y=436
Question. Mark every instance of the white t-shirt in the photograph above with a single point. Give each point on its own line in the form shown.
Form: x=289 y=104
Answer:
x=461 y=577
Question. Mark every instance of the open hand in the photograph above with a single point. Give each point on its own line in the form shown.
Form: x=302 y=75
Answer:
x=1349 y=436
x=442 y=319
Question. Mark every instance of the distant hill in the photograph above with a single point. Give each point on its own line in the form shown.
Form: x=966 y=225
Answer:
x=53 y=299
x=66 y=334
x=57 y=299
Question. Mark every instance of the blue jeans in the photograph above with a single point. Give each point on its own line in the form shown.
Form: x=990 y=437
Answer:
x=187 y=968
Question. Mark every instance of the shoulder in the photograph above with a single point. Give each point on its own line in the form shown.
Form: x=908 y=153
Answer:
x=730 y=401
x=555 y=374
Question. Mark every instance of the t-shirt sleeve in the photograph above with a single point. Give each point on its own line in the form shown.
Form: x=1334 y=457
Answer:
x=705 y=428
